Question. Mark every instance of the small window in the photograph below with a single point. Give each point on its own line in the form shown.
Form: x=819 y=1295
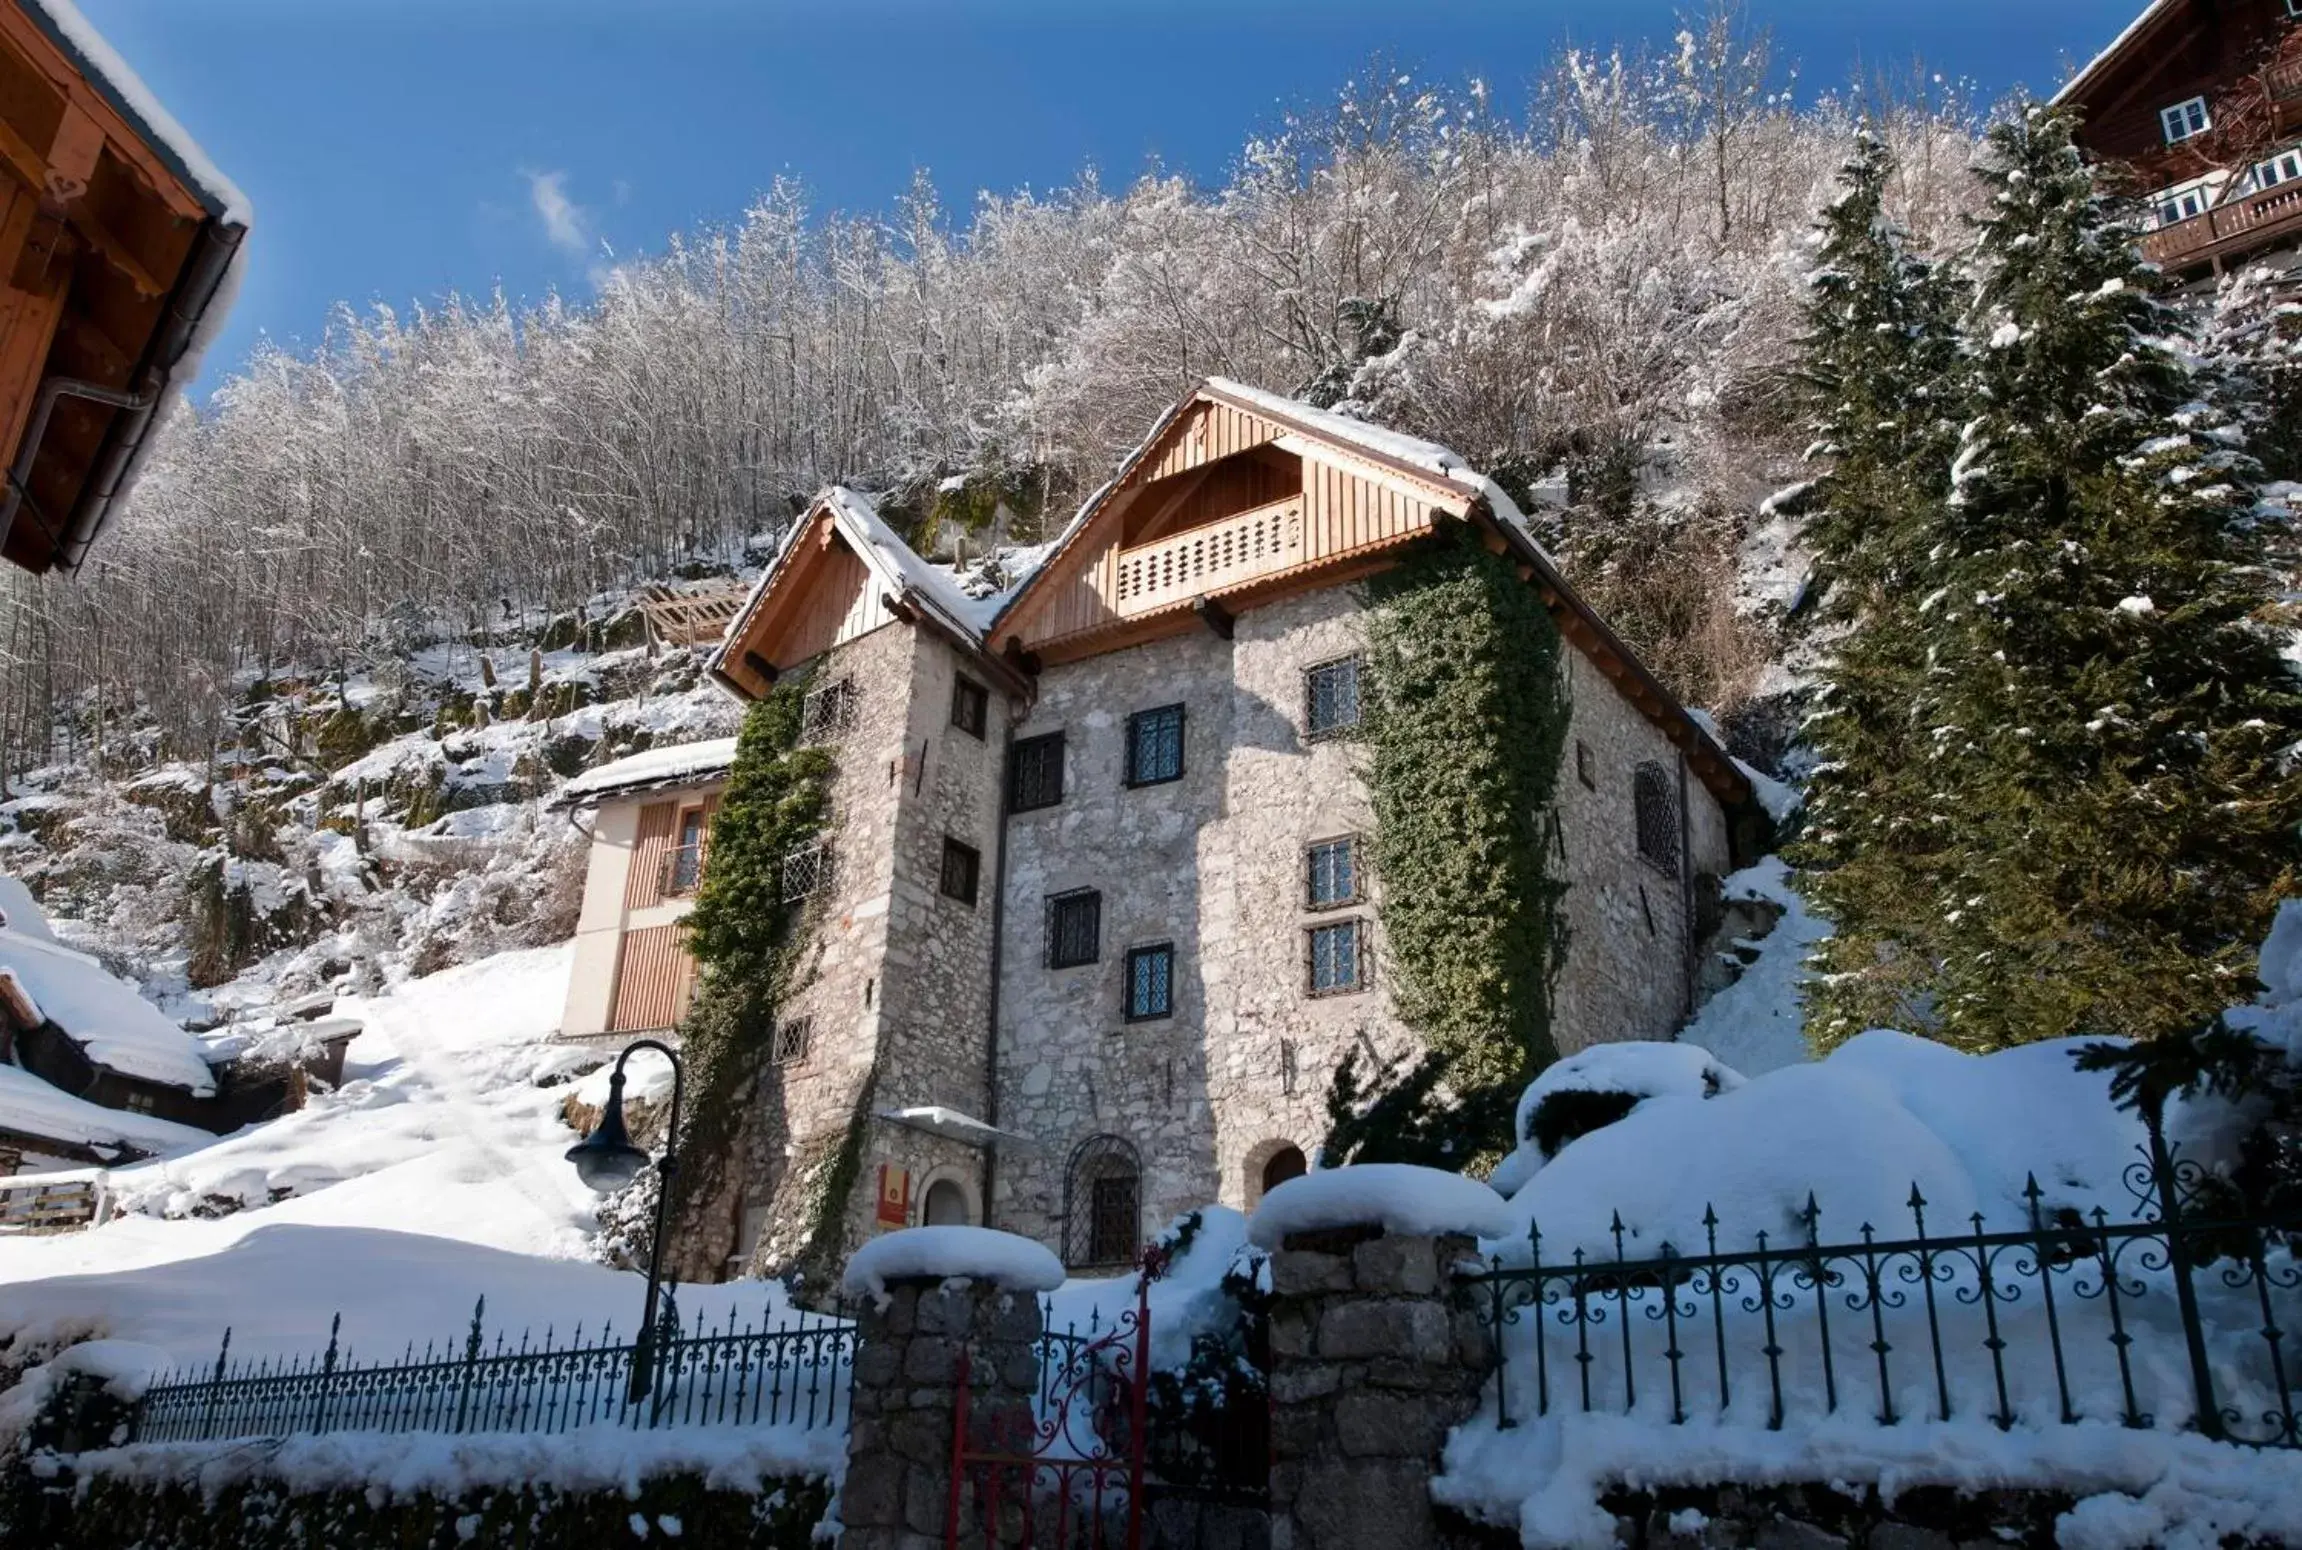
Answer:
x=1155 y=746
x=683 y=868
x=791 y=1042
x=1331 y=693
x=1035 y=773
x=1656 y=810
x=962 y=869
x=1074 y=928
x=1151 y=982
x=2184 y=120
x=140 y=1102
x=829 y=712
x=1586 y=765
x=807 y=871
x=2284 y=167
x=945 y=1205
x=970 y=704
x=1334 y=873
x=1338 y=959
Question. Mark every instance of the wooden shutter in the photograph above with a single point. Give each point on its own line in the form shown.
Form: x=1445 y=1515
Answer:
x=658 y=826
x=654 y=978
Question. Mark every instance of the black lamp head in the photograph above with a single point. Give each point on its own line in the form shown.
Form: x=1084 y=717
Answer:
x=606 y=1160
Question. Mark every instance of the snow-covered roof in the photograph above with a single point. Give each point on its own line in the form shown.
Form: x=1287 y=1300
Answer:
x=2133 y=29
x=107 y=1017
x=681 y=764
x=30 y=1107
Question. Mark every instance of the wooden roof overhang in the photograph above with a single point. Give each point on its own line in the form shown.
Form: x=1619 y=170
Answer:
x=770 y=634
x=112 y=257
x=2150 y=26
x=1464 y=499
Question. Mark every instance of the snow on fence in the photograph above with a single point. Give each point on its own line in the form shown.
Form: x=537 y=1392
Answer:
x=2171 y=1321
x=792 y=1372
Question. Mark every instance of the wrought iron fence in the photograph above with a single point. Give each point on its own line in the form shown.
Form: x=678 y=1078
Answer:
x=791 y=1372
x=2175 y=1319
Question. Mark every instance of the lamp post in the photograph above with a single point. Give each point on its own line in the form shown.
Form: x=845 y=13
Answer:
x=607 y=1161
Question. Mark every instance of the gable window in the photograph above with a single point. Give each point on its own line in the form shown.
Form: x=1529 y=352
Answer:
x=791 y=1042
x=1035 y=773
x=1337 y=958
x=1150 y=982
x=962 y=869
x=683 y=867
x=970 y=705
x=1331 y=696
x=1656 y=809
x=827 y=713
x=1155 y=746
x=1074 y=928
x=1333 y=867
x=2184 y=120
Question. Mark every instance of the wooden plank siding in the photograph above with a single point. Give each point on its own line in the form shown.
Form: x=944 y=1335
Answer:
x=643 y=885
x=1209 y=433
x=654 y=978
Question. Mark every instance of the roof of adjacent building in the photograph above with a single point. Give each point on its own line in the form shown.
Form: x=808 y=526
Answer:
x=107 y=1017
x=656 y=769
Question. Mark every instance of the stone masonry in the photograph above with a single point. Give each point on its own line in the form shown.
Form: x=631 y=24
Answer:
x=1374 y=1361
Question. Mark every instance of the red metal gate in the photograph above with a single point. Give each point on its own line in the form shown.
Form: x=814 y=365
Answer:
x=1059 y=1468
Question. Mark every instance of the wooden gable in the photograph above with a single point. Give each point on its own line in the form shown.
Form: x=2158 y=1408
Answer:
x=1224 y=507
x=821 y=595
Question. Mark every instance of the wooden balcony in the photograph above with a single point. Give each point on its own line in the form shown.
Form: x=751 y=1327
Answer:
x=2227 y=231
x=1205 y=559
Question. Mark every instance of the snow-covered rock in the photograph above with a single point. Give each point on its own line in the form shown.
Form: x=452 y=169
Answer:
x=952 y=1253
x=1396 y=1197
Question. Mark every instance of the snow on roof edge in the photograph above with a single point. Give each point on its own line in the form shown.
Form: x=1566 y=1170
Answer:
x=652 y=767
x=2132 y=29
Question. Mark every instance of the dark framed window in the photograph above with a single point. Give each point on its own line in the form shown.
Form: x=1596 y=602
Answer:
x=1338 y=958
x=1103 y=1203
x=1333 y=873
x=962 y=870
x=1155 y=746
x=1331 y=697
x=827 y=713
x=1074 y=928
x=970 y=706
x=791 y=1042
x=1150 y=982
x=1655 y=808
x=1035 y=772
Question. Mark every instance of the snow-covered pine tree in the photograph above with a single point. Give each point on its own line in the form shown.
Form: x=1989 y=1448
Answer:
x=1879 y=360
x=2109 y=722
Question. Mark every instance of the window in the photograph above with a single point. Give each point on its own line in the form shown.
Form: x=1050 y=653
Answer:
x=2179 y=204
x=945 y=1205
x=1155 y=746
x=791 y=1042
x=1586 y=765
x=1656 y=809
x=2284 y=167
x=1337 y=959
x=2184 y=120
x=1103 y=1203
x=1074 y=928
x=1035 y=773
x=962 y=867
x=970 y=702
x=1331 y=693
x=1151 y=982
x=1334 y=874
x=2294 y=8
x=683 y=867
x=827 y=713
x=807 y=871
x=140 y=1102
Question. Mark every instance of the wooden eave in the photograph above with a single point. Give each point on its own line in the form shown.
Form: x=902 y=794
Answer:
x=2143 y=30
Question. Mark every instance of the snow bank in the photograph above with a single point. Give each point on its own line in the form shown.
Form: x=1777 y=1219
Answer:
x=108 y=1018
x=1636 y=1068
x=973 y=1253
x=655 y=767
x=1396 y=1197
x=1758 y=1023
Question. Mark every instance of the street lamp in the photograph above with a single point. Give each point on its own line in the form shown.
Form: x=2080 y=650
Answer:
x=606 y=1160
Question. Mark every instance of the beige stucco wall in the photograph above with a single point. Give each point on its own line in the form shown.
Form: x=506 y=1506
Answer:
x=603 y=920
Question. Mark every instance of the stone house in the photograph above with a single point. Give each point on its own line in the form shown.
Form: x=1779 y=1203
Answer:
x=1098 y=922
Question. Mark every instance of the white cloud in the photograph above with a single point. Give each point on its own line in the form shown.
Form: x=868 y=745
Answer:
x=565 y=222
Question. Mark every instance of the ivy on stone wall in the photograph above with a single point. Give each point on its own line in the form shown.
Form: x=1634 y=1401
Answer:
x=1467 y=721
x=748 y=941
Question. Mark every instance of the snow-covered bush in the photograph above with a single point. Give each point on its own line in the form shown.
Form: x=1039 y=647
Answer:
x=1597 y=1087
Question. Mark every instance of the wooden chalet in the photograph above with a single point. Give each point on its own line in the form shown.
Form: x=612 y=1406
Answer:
x=2201 y=100
x=117 y=242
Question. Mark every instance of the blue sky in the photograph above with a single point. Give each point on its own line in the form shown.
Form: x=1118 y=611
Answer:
x=399 y=149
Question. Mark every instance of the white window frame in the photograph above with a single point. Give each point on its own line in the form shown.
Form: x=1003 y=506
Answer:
x=2294 y=9
x=2280 y=176
x=2175 y=120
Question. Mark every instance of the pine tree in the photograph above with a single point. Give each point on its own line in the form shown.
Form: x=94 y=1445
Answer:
x=2106 y=716
x=1879 y=363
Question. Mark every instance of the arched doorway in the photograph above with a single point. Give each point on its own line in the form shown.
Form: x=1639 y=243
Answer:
x=945 y=1205
x=1267 y=1165
x=1286 y=1163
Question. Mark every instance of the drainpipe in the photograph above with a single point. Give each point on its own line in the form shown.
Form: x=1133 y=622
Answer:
x=36 y=428
x=998 y=955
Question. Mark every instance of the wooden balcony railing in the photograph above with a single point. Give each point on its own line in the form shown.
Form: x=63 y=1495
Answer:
x=2221 y=228
x=1205 y=559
